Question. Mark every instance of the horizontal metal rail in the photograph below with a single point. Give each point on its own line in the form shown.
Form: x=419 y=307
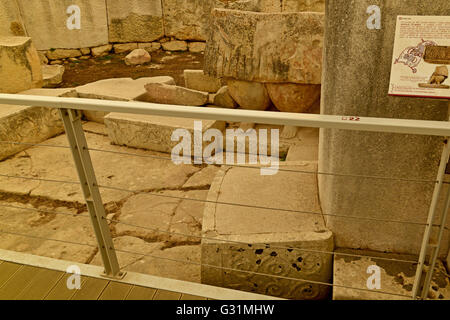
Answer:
x=419 y=127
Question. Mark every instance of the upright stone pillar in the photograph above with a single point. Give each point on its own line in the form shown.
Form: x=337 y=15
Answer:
x=357 y=65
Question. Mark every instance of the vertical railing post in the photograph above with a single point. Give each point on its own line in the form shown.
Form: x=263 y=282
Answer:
x=78 y=145
x=421 y=288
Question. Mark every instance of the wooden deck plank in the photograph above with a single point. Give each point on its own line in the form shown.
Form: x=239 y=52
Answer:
x=91 y=289
x=60 y=290
x=185 y=296
x=166 y=295
x=141 y=293
x=41 y=285
x=7 y=270
x=116 y=291
x=18 y=282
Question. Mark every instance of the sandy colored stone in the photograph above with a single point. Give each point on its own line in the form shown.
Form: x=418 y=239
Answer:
x=292 y=97
x=202 y=178
x=170 y=94
x=396 y=277
x=175 y=45
x=42 y=57
x=55 y=62
x=150 y=47
x=274 y=47
x=52 y=75
x=135 y=20
x=101 y=50
x=124 y=47
x=137 y=56
x=45 y=22
x=85 y=51
x=58 y=54
x=223 y=99
x=19 y=57
x=197 y=80
x=151 y=132
x=249 y=95
x=302 y=152
x=197 y=47
x=11 y=23
x=303 y=5
x=375 y=154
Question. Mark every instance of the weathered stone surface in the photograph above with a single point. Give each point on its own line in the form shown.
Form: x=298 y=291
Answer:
x=151 y=132
x=396 y=277
x=54 y=62
x=249 y=95
x=197 y=47
x=85 y=51
x=101 y=50
x=375 y=154
x=265 y=229
x=11 y=23
x=124 y=47
x=170 y=94
x=223 y=99
x=42 y=57
x=197 y=80
x=175 y=45
x=46 y=23
x=203 y=178
x=52 y=75
x=150 y=47
x=19 y=57
x=273 y=47
x=135 y=20
x=58 y=54
x=303 y=5
x=138 y=56
x=293 y=97
x=29 y=124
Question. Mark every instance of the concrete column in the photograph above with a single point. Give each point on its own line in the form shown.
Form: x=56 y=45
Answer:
x=357 y=64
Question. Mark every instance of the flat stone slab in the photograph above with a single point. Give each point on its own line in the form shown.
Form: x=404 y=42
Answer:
x=259 y=230
x=396 y=277
x=151 y=132
x=265 y=47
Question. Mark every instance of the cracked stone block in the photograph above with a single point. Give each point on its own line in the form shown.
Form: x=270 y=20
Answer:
x=53 y=75
x=273 y=47
x=197 y=80
x=152 y=132
x=29 y=124
x=257 y=232
x=19 y=57
x=396 y=278
x=135 y=20
x=46 y=20
x=202 y=178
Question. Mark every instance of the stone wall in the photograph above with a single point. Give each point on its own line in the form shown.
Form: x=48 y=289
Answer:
x=124 y=21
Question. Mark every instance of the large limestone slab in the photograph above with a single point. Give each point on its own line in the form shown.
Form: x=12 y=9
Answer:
x=20 y=65
x=11 y=23
x=52 y=75
x=396 y=278
x=151 y=132
x=374 y=154
x=135 y=20
x=175 y=95
x=46 y=23
x=265 y=47
x=25 y=124
x=262 y=230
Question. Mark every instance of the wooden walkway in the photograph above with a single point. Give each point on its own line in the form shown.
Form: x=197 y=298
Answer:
x=23 y=282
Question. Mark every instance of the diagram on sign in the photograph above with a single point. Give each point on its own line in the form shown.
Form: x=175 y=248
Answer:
x=421 y=57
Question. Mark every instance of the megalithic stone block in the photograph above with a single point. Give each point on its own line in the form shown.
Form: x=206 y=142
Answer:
x=357 y=67
x=265 y=47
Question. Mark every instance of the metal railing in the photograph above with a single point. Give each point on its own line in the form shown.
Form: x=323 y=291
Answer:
x=70 y=111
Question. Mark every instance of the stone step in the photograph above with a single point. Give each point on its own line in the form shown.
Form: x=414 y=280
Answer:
x=260 y=230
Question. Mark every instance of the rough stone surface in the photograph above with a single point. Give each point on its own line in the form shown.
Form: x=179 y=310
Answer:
x=150 y=47
x=197 y=80
x=151 y=132
x=265 y=229
x=29 y=124
x=170 y=94
x=124 y=47
x=11 y=23
x=175 y=45
x=53 y=75
x=303 y=5
x=42 y=57
x=101 y=50
x=375 y=154
x=396 y=277
x=85 y=51
x=223 y=99
x=58 y=54
x=45 y=22
x=293 y=97
x=249 y=95
x=135 y=20
x=19 y=57
x=138 y=56
x=273 y=47
x=197 y=47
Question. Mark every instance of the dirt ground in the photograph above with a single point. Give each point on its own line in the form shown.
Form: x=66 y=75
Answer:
x=163 y=63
